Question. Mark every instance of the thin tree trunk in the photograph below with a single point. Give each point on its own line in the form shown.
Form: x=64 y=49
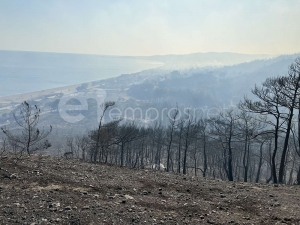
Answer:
x=204 y=156
x=274 y=152
x=259 y=163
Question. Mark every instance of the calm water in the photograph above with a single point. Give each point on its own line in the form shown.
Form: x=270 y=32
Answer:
x=22 y=72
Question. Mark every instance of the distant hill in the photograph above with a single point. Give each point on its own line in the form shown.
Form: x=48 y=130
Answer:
x=211 y=59
x=212 y=85
x=203 y=87
x=36 y=71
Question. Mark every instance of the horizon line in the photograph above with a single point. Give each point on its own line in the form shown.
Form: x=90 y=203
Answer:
x=156 y=55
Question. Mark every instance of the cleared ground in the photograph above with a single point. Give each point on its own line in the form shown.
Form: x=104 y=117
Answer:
x=48 y=190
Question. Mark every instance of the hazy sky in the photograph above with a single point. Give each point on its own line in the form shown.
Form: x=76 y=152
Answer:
x=140 y=27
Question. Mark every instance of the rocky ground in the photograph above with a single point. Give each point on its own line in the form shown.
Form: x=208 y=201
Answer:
x=48 y=190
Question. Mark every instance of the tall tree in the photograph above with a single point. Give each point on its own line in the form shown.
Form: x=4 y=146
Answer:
x=126 y=133
x=249 y=127
x=105 y=106
x=203 y=126
x=269 y=103
x=190 y=132
x=170 y=132
x=290 y=89
x=224 y=130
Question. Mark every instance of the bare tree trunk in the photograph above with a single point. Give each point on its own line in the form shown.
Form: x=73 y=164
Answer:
x=274 y=152
x=122 y=154
x=245 y=163
x=291 y=173
x=179 y=150
x=259 y=163
x=230 y=172
x=172 y=129
x=293 y=81
x=204 y=156
x=185 y=157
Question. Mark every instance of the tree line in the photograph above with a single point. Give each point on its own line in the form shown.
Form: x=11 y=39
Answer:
x=257 y=141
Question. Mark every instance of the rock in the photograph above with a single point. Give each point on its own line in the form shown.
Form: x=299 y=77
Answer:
x=85 y=207
x=68 y=208
x=53 y=209
x=6 y=175
x=210 y=222
x=276 y=204
x=13 y=176
x=128 y=197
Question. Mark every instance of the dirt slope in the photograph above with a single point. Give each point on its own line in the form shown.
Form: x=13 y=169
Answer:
x=49 y=190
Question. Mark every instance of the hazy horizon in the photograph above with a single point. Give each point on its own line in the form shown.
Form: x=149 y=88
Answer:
x=96 y=36
x=176 y=54
x=134 y=28
x=36 y=71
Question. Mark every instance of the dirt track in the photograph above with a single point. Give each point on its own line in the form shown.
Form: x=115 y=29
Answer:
x=49 y=190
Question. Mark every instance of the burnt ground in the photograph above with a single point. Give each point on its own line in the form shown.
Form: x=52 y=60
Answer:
x=48 y=190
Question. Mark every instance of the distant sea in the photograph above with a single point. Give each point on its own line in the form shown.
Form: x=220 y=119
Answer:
x=23 y=72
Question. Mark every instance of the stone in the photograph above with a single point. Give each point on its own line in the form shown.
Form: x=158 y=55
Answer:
x=128 y=197
x=68 y=208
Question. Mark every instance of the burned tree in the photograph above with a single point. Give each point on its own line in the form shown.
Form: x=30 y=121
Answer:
x=95 y=150
x=225 y=131
x=270 y=104
x=29 y=138
x=290 y=91
x=170 y=135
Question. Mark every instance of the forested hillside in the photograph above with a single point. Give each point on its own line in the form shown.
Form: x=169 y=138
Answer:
x=194 y=121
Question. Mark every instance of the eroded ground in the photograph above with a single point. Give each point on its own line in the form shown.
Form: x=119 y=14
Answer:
x=48 y=190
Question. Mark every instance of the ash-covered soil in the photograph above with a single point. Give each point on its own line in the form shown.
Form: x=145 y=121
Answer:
x=48 y=190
